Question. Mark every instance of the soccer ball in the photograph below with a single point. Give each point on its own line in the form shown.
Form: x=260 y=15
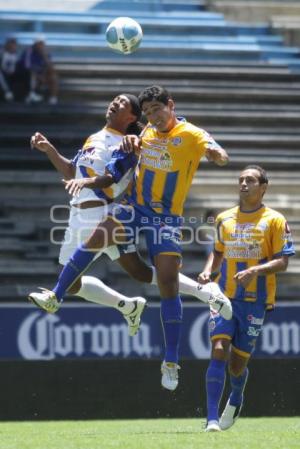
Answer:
x=124 y=35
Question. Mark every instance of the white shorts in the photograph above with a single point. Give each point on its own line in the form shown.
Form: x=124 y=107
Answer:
x=82 y=222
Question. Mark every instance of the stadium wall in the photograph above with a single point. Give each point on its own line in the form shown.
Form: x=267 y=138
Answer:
x=126 y=389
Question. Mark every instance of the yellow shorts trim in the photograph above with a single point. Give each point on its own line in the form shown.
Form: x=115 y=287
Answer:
x=216 y=337
x=169 y=253
x=244 y=354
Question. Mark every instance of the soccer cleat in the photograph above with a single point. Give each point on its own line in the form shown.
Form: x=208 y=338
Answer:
x=9 y=96
x=219 y=303
x=33 y=97
x=52 y=101
x=134 y=317
x=212 y=426
x=46 y=300
x=169 y=378
x=230 y=415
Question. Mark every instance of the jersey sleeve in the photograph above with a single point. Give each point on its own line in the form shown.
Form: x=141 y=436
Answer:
x=208 y=142
x=120 y=163
x=219 y=243
x=282 y=242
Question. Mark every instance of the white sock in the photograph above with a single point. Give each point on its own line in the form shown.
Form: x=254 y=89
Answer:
x=94 y=290
x=154 y=277
x=188 y=286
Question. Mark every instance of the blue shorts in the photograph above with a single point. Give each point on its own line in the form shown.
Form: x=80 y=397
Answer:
x=162 y=233
x=243 y=329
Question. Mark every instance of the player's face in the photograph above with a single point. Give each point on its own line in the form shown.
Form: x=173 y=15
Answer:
x=119 y=110
x=249 y=185
x=160 y=115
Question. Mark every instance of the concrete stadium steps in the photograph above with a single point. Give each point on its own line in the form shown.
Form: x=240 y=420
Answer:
x=207 y=115
x=31 y=183
x=253 y=144
x=87 y=90
x=29 y=197
x=166 y=37
x=94 y=5
x=253 y=11
x=208 y=182
x=287 y=205
x=129 y=68
x=217 y=114
x=238 y=137
x=15 y=247
x=182 y=51
x=201 y=31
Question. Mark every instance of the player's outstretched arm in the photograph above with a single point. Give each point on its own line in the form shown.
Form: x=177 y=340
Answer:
x=62 y=164
x=217 y=155
x=74 y=186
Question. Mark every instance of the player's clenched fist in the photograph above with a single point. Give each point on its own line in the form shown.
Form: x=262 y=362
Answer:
x=40 y=142
x=204 y=277
x=131 y=144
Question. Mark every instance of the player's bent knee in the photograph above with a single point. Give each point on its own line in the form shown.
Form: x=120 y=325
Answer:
x=220 y=349
x=236 y=369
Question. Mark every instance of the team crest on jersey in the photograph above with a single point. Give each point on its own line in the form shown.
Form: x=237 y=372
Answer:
x=212 y=325
x=176 y=141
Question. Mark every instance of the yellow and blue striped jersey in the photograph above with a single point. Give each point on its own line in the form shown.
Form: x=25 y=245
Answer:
x=167 y=165
x=247 y=239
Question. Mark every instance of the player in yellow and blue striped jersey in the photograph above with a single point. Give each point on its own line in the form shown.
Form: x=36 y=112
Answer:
x=253 y=243
x=170 y=151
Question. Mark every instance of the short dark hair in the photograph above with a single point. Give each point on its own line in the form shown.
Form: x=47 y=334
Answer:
x=263 y=179
x=154 y=93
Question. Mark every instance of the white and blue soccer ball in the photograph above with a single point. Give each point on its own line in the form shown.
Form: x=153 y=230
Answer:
x=124 y=35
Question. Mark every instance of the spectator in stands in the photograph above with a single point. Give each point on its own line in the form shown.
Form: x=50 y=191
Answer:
x=253 y=243
x=8 y=68
x=36 y=61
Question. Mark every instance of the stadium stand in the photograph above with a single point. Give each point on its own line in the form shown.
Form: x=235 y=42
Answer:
x=283 y=16
x=239 y=81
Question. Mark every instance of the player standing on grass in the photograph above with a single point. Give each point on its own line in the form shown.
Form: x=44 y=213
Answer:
x=253 y=244
x=170 y=149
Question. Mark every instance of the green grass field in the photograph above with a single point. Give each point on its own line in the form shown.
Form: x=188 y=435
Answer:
x=247 y=433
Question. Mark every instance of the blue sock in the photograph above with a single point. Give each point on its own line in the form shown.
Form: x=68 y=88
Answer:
x=77 y=264
x=238 y=385
x=171 y=317
x=215 y=379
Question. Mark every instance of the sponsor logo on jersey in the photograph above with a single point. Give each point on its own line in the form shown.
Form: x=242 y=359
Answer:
x=254 y=320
